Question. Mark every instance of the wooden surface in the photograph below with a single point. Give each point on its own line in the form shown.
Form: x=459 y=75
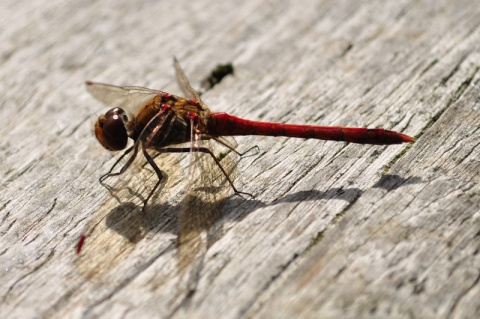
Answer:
x=335 y=230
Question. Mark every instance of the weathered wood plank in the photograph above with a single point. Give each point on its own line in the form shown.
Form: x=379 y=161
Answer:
x=335 y=230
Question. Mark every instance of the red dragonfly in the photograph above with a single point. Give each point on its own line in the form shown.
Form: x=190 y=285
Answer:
x=162 y=122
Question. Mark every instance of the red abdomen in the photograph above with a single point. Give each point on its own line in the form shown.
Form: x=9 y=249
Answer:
x=229 y=125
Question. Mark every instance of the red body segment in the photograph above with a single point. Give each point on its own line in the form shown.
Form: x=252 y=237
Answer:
x=229 y=125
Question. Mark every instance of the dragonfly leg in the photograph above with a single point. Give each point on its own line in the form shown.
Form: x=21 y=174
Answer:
x=206 y=150
x=233 y=149
x=255 y=147
x=124 y=168
x=157 y=171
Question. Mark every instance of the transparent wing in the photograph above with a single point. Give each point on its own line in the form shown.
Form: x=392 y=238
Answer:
x=183 y=82
x=129 y=98
x=201 y=208
x=187 y=89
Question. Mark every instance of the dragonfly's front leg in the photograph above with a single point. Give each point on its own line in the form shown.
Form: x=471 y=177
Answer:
x=124 y=168
x=129 y=162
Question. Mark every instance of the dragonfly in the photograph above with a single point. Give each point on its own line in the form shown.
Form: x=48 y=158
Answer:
x=166 y=123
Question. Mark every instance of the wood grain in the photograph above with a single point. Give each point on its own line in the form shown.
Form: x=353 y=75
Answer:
x=335 y=230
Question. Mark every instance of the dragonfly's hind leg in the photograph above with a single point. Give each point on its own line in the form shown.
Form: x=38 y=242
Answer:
x=233 y=149
x=206 y=150
x=255 y=147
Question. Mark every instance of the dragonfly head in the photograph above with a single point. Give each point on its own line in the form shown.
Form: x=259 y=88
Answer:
x=111 y=131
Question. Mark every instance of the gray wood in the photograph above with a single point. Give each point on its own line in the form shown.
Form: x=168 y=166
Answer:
x=335 y=230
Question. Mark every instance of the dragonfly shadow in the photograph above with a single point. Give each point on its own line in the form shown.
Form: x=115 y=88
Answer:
x=240 y=208
x=199 y=223
x=349 y=195
x=392 y=182
x=237 y=208
x=133 y=223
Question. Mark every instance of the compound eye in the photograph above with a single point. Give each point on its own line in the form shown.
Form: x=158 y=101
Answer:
x=110 y=130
